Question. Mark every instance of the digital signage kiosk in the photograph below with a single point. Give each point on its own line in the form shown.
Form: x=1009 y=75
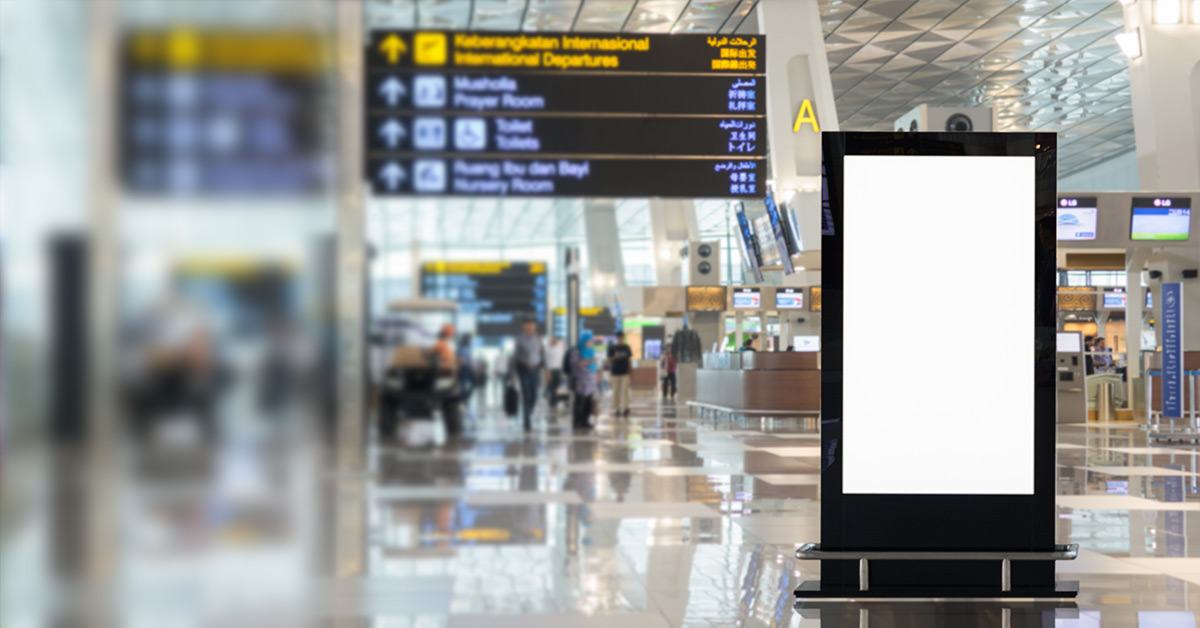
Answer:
x=952 y=497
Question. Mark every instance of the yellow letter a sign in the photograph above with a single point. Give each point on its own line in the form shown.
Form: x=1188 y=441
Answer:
x=806 y=115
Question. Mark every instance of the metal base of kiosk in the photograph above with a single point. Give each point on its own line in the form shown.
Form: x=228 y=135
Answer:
x=1005 y=588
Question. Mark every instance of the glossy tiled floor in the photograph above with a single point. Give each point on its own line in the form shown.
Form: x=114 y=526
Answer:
x=658 y=520
x=666 y=520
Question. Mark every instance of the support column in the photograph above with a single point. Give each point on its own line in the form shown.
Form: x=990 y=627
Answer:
x=98 y=471
x=349 y=534
x=1165 y=86
x=606 y=267
x=1135 y=303
x=672 y=224
x=800 y=89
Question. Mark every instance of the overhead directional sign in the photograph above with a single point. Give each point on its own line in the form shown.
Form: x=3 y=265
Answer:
x=499 y=295
x=562 y=114
x=222 y=113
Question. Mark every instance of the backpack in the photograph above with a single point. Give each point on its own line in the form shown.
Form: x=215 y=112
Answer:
x=566 y=362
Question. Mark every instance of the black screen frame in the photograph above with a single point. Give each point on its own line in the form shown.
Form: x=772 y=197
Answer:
x=938 y=522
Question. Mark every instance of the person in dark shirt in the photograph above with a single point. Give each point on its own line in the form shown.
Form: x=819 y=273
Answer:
x=1089 y=344
x=620 y=363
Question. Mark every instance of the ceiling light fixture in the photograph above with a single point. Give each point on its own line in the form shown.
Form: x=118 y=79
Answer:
x=1168 y=11
x=1130 y=43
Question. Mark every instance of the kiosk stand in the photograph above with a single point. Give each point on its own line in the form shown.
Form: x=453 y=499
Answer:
x=950 y=494
x=1070 y=378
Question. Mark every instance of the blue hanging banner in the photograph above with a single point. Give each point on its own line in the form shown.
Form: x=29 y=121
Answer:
x=1172 y=361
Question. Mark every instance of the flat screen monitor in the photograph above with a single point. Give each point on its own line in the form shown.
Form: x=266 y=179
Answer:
x=768 y=254
x=806 y=344
x=778 y=231
x=789 y=298
x=1115 y=300
x=882 y=196
x=1077 y=219
x=1069 y=342
x=751 y=256
x=652 y=349
x=1160 y=219
x=1149 y=300
x=747 y=299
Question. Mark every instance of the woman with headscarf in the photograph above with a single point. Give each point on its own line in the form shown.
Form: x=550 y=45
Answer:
x=583 y=380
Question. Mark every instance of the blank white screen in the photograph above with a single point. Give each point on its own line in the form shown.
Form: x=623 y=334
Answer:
x=933 y=403
x=1069 y=342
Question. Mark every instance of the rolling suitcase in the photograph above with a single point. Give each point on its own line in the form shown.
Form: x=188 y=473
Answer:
x=512 y=400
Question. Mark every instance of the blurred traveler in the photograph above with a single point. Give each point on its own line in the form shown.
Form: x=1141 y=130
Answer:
x=583 y=380
x=1103 y=359
x=443 y=349
x=620 y=358
x=554 y=360
x=1089 y=345
x=176 y=371
x=669 y=366
x=278 y=369
x=686 y=346
x=528 y=360
x=749 y=344
x=447 y=363
x=466 y=368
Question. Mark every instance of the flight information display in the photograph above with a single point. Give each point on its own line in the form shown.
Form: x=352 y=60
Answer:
x=551 y=114
x=1161 y=219
x=1115 y=299
x=499 y=295
x=779 y=231
x=1077 y=219
x=222 y=113
x=789 y=298
x=747 y=299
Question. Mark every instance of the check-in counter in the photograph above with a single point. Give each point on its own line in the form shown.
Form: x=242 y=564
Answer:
x=765 y=381
x=644 y=375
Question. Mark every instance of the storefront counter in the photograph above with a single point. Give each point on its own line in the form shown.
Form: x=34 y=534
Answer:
x=768 y=381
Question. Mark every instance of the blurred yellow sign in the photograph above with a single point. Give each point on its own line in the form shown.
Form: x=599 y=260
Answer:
x=394 y=47
x=430 y=49
x=481 y=268
x=228 y=50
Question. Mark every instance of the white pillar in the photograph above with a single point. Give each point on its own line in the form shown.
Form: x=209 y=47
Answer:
x=606 y=267
x=101 y=511
x=350 y=519
x=799 y=73
x=351 y=236
x=1165 y=86
x=672 y=224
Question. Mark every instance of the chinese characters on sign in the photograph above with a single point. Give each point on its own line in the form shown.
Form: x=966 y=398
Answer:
x=565 y=115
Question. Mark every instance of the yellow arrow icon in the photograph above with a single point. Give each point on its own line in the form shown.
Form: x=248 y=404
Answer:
x=393 y=46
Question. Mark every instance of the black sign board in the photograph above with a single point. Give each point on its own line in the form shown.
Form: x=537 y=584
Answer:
x=499 y=295
x=563 y=114
x=917 y=534
x=220 y=113
x=598 y=320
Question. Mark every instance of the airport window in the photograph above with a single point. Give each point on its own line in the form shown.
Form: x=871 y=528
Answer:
x=1074 y=278
x=1107 y=278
